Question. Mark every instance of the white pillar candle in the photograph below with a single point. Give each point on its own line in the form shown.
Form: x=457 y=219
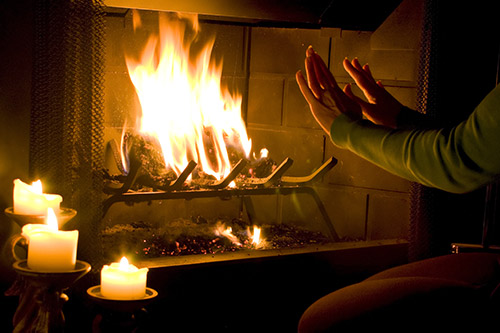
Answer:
x=30 y=199
x=123 y=281
x=50 y=249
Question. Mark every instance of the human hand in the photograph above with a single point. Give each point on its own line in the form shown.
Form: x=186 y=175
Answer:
x=382 y=108
x=325 y=98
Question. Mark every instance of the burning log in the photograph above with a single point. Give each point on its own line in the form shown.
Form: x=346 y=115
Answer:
x=146 y=160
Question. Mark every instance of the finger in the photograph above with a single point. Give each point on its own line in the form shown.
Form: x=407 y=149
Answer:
x=366 y=69
x=309 y=51
x=364 y=82
x=304 y=87
x=348 y=91
x=349 y=101
x=363 y=70
x=325 y=77
x=312 y=78
x=350 y=94
x=353 y=72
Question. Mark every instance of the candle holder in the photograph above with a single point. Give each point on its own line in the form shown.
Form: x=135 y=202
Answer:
x=63 y=216
x=119 y=315
x=41 y=297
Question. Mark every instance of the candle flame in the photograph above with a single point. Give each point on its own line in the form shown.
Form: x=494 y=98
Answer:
x=51 y=220
x=124 y=264
x=36 y=187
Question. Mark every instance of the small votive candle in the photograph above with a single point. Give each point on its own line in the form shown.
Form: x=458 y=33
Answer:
x=50 y=249
x=30 y=199
x=123 y=281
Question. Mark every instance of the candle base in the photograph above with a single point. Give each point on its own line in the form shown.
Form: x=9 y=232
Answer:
x=41 y=297
x=119 y=315
x=63 y=216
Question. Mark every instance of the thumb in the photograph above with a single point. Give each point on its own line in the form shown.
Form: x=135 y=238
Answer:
x=350 y=94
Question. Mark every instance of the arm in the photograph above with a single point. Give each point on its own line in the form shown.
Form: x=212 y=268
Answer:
x=458 y=160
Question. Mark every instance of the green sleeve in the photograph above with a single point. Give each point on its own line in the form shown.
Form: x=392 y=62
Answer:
x=456 y=160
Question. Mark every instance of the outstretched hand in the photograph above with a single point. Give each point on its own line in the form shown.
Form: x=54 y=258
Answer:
x=325 y=98
x=381 y=107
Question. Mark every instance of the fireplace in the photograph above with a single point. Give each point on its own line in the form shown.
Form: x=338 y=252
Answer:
x=301 y=176
x=328 y=217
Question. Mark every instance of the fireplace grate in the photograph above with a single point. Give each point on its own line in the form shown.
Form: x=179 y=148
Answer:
x=120 y=189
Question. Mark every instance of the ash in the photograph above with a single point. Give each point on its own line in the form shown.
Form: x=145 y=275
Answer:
x=199 y=236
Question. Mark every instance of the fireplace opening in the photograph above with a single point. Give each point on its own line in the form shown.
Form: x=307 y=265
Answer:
x=155 y=208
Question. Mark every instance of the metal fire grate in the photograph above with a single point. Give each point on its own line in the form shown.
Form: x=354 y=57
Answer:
x=120 y=189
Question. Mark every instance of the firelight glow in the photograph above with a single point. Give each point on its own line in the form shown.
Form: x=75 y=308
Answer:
x=183 y=105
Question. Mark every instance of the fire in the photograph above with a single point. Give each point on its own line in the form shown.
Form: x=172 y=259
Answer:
x=256 y=236
x=257 y=241
x=124 y=263
x=251 y=239
x=51 y=219
x=221 y=230
x=37 y=187
x=183 y=105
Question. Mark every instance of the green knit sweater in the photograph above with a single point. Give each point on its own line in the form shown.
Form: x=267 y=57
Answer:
x=458 y=160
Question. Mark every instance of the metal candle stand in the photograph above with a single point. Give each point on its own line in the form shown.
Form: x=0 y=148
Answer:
x=41 y=297
x=119 y=315
x=41 y=294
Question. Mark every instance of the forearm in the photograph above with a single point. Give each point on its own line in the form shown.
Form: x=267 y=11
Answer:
x=455 y=161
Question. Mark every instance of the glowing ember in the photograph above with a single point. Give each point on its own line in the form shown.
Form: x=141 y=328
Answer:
x=183 y=105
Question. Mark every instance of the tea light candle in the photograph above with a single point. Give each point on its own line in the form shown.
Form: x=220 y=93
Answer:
x=123 y=281
x=50 y=249
x=30 y=199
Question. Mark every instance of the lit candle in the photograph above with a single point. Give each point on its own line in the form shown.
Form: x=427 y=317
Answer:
x=30 y=199
x=50 y=249
x=123 y=281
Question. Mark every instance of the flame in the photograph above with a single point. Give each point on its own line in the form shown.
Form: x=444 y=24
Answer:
x=251 y=239
x=36 y=187
x=183 y=105
x=263 y=154
x=124 y=264
x=256 y=236
x=124 y=152
x=221 y=230
x=51 y=220
x=256 y=239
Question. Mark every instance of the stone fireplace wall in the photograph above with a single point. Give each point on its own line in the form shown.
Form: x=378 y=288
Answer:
x=363 y=201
